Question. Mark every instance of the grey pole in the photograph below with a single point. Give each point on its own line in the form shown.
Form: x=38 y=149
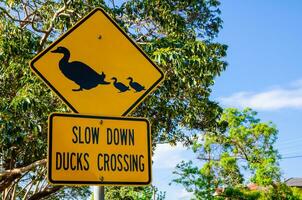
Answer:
x=99 y=192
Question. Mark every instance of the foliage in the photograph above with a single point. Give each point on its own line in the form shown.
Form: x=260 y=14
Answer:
x=177 y=35
x=239 y=193
x=245 y=145
x=168 y=31
x=75 y=193
x=276 y=192
x=134 y=193
x=198 y=181
x=281 y=192
x=297 y=192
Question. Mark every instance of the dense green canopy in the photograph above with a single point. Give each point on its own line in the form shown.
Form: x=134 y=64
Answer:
x=245 y=147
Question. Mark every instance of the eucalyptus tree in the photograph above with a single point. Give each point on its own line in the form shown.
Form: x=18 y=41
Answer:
x=177 y=35
x=245 y=147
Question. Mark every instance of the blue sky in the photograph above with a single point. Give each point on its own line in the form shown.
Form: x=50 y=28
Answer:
x=264 y=73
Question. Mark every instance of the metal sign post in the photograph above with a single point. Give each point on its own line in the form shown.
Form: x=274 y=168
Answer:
x=98 y=192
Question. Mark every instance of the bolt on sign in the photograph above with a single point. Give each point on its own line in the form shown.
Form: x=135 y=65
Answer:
x=96 y=68
x=96 y=150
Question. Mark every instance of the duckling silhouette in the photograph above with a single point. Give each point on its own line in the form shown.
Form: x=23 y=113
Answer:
x=79 y=72
x=120 y=86
x=135 y=85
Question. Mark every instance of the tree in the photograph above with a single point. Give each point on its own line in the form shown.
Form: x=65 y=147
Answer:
x=246 y=145
x=177 y=35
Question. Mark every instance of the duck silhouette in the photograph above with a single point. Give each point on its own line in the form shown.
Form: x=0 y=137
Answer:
x=120 y=86
x=79 y=72
x=136 y=86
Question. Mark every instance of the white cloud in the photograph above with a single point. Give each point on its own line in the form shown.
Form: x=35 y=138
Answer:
x=273 y=99
x=167 y=156
x=184 y=195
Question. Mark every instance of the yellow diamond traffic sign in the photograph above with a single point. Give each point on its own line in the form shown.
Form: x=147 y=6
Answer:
x=96 y=68
x=95 y=150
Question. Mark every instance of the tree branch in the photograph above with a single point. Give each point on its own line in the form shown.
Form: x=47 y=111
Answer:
x=45 y=192
x=9 y=176
x=23 y=169
x=7 y=181
x=48 y=31
x=5 y=13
